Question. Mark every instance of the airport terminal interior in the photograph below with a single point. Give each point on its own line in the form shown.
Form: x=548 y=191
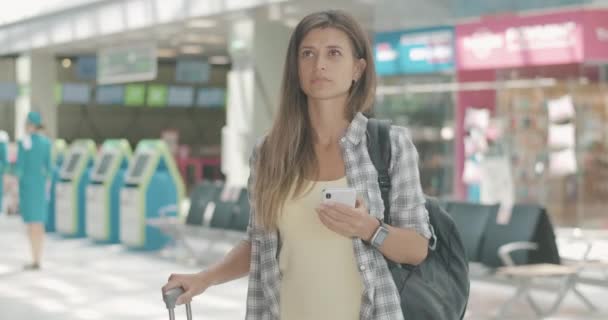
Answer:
x=152 y=109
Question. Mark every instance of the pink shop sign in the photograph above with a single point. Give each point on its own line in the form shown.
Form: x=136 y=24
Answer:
x=516 y=41
x=596 y=36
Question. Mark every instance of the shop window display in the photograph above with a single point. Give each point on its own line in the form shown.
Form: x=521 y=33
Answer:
x=558 y=146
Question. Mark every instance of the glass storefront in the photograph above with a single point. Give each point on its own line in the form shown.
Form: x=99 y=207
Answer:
x=548 y=95
x=558 y=148
x=430 y=117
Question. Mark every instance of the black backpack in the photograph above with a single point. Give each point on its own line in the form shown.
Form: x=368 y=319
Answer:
x=438 y=288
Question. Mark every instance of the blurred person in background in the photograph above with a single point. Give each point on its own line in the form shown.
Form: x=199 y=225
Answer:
x=32 y=169
x=3 y=164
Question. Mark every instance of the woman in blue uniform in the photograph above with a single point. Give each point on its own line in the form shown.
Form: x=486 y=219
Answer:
x=3 y=164
x=33 y=169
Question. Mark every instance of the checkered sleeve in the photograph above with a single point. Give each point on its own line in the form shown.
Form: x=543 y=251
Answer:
x=255 y=294
x=250 y=183
x=407 y=198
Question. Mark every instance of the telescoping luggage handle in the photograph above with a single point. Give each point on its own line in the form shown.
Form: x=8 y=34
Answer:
x=170 y=297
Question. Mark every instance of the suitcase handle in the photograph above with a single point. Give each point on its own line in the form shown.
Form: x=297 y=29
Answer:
x=170 y=297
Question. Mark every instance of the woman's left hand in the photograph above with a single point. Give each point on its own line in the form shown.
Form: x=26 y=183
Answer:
x=347 y=221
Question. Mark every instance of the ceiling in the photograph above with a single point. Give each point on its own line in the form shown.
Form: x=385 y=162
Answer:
x=209 y=35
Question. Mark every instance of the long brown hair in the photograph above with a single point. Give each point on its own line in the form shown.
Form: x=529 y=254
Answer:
x=287 y=154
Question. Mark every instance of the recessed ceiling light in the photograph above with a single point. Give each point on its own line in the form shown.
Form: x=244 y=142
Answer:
x=213 y=39
x=66 y=63
x=190 y=49
x=219 y=60
x=166 y=53
x=192 y=38
x=209 y=39
x=201 y=23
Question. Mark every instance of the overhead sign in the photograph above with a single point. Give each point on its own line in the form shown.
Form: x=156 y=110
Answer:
x=468 y=8
x=76 y=93
x=86 y=68
x=180 y=96
x=596 y=36
x=415 y=51
x=127 y=64
x=135 y=94
x=192 y=71
x=516 y=41
x=110 y=95
x=157 y=95
x=211 y=97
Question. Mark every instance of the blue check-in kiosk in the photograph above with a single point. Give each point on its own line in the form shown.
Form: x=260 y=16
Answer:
x=152 y=182
x=57 y=157
x=103 y=191
x=70 y=206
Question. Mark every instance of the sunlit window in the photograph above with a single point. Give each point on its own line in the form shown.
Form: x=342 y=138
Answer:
x=23 y=9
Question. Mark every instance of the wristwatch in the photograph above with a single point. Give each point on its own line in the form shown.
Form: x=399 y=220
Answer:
x=380 y=235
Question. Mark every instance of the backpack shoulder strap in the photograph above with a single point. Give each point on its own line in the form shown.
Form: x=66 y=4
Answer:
x=379 y=149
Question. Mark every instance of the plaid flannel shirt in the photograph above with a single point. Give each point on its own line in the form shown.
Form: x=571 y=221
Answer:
x=380 y=300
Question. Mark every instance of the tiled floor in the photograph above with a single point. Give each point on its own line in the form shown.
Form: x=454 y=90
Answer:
x=89 y=282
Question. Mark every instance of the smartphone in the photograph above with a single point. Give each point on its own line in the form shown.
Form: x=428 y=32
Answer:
x=346 y=196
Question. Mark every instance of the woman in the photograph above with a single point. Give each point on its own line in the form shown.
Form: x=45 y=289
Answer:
x=33 y=168
x=311 y=261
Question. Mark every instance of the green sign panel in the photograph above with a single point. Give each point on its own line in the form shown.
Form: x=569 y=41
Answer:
x=135 y=95
x=157 y=95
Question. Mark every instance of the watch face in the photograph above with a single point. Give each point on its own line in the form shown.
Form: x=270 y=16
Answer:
x=380 y=237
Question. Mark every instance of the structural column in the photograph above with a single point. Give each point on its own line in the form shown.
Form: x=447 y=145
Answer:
x=257 y=48
x=36 y=77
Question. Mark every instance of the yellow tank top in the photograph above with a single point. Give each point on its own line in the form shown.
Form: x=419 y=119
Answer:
x=320 y=279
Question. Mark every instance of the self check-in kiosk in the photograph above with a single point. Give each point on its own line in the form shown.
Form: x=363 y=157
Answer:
x=103 y=191
x=70 y=207
x=152 y=184
x=57 y=157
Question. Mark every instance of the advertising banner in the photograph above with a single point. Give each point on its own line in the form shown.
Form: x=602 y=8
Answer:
x=509 y=41
x=414 y=52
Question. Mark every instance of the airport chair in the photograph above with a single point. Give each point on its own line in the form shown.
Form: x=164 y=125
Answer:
x=525 y=251
x=471 y=221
